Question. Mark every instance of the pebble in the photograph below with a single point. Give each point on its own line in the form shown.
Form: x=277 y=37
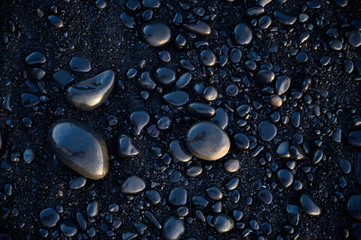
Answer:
x=282 y=84
x=223 y=223
x=354 y=207
x=173 y=228
x=178 y=196
x=78 y=64
x=139 y=120
x=199 y=28
x=151 y=3
x=56 y=21
x=93 y=209
x=285 y=178
x=90 y=159
x=153 y=196
x=293 y=213
x=146 y=81
x=183 y=80
x=176 y=98
x=267 y=131
x=89 y=94
x=133 y=185
x=35 y=58
x=285 y=19
x=264 y=22
x=77 y=183
x=208 y=58
x=28 y=154
x=207 y=141
x=232 y=165
x=302 y=57
x=354 y=139
x=266 y=196
x=49 y=217
x=309 y=205
x=241 y=141
x=156 y=33
x=214 y=193
x=68 y=228
x=264 y=77
x=243 y=34
x=201 y=110
x=180 y=151
x=63 y=78
x=29 y=100
x=354 y=38
x=276 y=101
x=126 y=147
x=165 y=75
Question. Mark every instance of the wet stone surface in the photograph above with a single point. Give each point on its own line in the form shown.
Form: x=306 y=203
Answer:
x=149 y=119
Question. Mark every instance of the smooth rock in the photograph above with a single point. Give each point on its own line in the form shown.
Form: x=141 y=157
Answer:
x=207 y=141
x=156 y=33
x=63 y=78
x=267 y=131
x=354 y=207
x=178 y=196
x=355 y=138
x=29 y=100
x=89 y=94
x=180 y=151
x=173 y=228
x=35 y=58
x=56 y=21
x=199 y=28
x=201 y=110
x=165 y=75
x=126 y=148
x=176 y=98
x=133 y=185
x=49 y=217
x=309 y=205
x=264 y=77
x=285 y=19
x=78 y=64
x=207 y=58
x=241 y=141
x=285 y=178
x=282 y=84
x=80 y=148
x=243 y=34
x=139 y=120
x=223 y=223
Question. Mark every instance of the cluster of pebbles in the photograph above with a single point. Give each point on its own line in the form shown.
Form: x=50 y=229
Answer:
x=222 y=119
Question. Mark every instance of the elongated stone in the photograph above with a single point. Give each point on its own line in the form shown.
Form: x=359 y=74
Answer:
x=79 y=147
x=89 y=94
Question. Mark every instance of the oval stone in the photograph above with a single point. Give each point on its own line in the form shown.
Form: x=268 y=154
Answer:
x=79 y=147
x=89 y=94
x=206 y=140
x=156 y=34
x=243 y=34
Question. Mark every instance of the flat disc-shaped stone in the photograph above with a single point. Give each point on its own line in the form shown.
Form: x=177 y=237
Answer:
x=206 y=140
x=91 y=93
x=267 y=131
x=243 y=34
x=79 y=147
x=155 y=33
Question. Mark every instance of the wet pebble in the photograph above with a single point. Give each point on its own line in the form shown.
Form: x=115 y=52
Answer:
x=309 y=205
x=90 y=158
x=63 y=78
x=266 y=196
x=78 y=64
x=28 y=154
x=207 y=141
x=223 y=223
x=68 y=228
x=284 y=18
x=155 y=33
x=241 y=141
x=89 y=94
x=126 y=147
x=165 y=75
x=133 y=185
x=267 y=131
x=243 y=34
x=355 y=138
x=201 y=110
x=56 y=21
x=199 y=28
x=176 y=98
x=49 y=217
x=139 y=120
x=180 y=151
x=35 y=58
x=282 y=84
x=207 y=58
x=232 y=165
x=173 y=228
x=354 y=38
x=77 y=183
x=264 y=77
x=285 y=178
x=354 y=207
x=178 y=196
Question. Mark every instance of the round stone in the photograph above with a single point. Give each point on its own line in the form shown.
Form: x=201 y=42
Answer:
x=285 y=178
x=80 y=148
x=173 y=228
x=275 y=101
x=354 y=207
x=232 y=165
x=208 y=58
x=178 y=196
x=355 y=138
x=165 y=76
x=241 y=141
x=223 y=223
x=156 y=33
x=309 y=205
x=243 y=34
x=49 y=217
x=206 y=140
x=267 y=131
x=354 y=38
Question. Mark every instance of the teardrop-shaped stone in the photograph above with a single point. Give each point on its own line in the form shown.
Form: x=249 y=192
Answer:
x=89 y=94
x=80 y=148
